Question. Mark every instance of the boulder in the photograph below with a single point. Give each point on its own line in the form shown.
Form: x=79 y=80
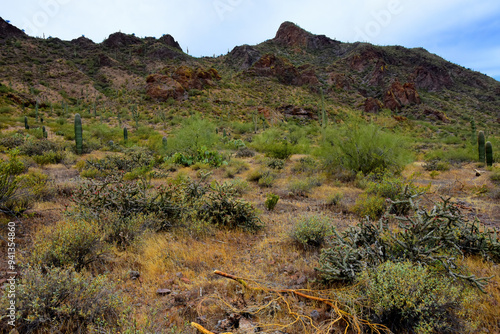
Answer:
x=162 y=87
x=372 y=105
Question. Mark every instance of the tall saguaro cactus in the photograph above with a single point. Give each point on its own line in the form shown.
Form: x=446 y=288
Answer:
x=489 y=153
x=480 y=146
x=26 y=126
x=125 y=134
x=78 y=134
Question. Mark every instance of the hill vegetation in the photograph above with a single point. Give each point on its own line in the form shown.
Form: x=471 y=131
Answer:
x=301 y=185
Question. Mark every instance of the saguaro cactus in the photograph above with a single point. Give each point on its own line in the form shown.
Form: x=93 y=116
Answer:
x=480 y=146
x=26 y=126
x=44 y=132
x=125 y=134
x=489 y=153
x=78 y=134
x=164 y=142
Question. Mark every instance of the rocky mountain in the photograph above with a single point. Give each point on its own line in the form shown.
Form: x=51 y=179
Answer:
x=356 y=76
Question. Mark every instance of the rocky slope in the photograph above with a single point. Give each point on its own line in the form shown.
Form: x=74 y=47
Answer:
x=359 y=76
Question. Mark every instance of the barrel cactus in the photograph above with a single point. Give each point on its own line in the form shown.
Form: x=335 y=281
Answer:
x=78 y=134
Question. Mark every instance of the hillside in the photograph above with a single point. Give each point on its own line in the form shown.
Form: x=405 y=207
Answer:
x=300 y=185
x=410 y=82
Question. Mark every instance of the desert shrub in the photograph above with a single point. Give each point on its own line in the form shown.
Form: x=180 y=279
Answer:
x=408 y=297
x=452 y=155
x=63 y=301
x=240 y=186
x=19 y=191
x=263 y=176
x=311 y=230
x=436 y=165
x=306 y=165
x=220 y=207
x=193 y=134
x=334 y=199
x=495 y=176
x=49 y=157
x=275 y=163
x=371 y=206
x=39 y=147
x=303 y=186
x=363 y=148
x=202 y=155
x=274 y=144
x=271 y=201
x=76 y=243
x=11 y=142
x=431 y=237
x=245 y=152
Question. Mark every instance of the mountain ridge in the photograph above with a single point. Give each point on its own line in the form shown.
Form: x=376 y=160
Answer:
x=361 y=76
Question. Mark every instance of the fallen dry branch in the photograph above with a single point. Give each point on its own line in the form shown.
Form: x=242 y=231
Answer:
x=342 y=317
x=202 y=330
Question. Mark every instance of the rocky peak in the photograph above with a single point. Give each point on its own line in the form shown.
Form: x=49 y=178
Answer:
x=83 y=42
x=7 y=30
x=170 y=41
x=291 y=35
x=119 y=39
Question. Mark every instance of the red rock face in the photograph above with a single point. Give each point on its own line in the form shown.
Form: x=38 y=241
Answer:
x=175 y=85
x=431 y=78
x=373 y=105
x=399 y=96
x=162 y=87
x=271 y=65
x=436 y=115
x=291 y=35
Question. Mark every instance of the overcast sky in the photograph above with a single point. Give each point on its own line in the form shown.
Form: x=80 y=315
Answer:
x=466 y=32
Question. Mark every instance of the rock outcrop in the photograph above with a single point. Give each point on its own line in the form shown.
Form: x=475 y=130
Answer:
x=243 y=57
x=7 y=30
x=119 y=39
x=432 y=78
x=170 y=41
x=291 y=35
x=281 y=68
x=372 y=105
x=176 y=84
x=398 y=96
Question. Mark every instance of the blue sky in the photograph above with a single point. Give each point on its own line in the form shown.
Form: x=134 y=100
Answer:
x=465 y=32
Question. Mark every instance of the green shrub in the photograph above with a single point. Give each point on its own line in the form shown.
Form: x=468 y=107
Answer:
x=245 y=152
x=48 y=158
x=311 y=230
x=19 y=191
x=407 y=297
x=371 y=206
x=363 y=148
x=274 y=144
x=193 y=134
x=221 y=208
x=306 y=165
x=76 y=243
x=303 y=186
x=275 y=163
x=436 y=165
x=240 y=186
x=55 y=300
x=271 y=201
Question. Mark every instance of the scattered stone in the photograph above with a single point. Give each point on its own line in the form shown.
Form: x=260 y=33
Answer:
x=134 y=274
x=163 y=292
x=301 y=280
x=185 y=280
x=315 y=314
x=179 y=275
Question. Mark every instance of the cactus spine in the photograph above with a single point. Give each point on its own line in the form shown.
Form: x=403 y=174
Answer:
x=489 y=153
x=125 y=134
x=480 y=145
x=78 y=134
x=26 y=126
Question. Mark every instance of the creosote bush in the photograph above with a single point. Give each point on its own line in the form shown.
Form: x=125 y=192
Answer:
x=77 y=243
x=60 y=300
x=363 y=148
x=311 y=231
x=408 y=297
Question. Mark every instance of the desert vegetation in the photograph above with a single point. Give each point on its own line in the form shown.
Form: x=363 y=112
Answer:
x=252 y=202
